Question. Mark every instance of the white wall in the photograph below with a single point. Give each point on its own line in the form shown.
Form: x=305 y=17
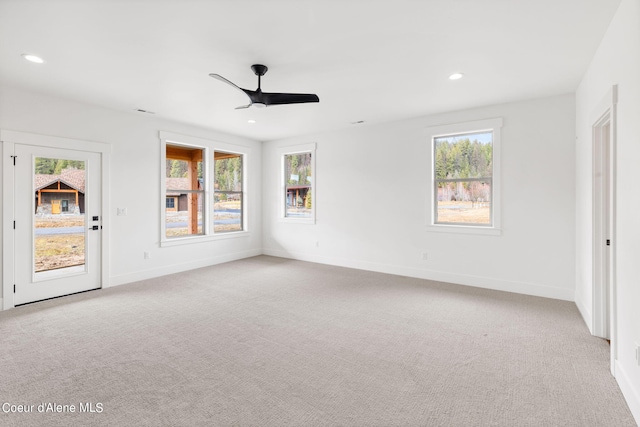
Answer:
x=372 y=185
x=135 y=176
x=617 y=61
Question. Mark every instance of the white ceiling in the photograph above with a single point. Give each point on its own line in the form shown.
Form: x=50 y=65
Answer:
x=367 y=60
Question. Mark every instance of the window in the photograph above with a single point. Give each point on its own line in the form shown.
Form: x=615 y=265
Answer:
x=171 y=203
x=203 y=190
x=184 y=182
x=465 y=176
x=228 y=194
x=298 y=191
x=298 y=177
x=463 y=169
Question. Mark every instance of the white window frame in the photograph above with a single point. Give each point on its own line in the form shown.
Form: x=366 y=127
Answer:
x=208 y=147
x=488 y=125
x=297 y=149
x=213 y=191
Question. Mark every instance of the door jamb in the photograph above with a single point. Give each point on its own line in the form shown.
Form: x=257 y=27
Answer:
x=8 y=140
x=605 y=115
x=601 y=224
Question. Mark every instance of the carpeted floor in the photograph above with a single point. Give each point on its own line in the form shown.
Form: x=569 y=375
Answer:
x=274 y=342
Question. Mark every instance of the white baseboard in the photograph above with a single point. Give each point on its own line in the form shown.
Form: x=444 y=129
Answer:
x=177 y=268
x=440 y=276
x=585 y=312
x=2 y=305
x=630 y=393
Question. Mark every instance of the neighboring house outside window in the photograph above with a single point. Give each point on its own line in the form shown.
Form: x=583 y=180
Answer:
x=61 y=193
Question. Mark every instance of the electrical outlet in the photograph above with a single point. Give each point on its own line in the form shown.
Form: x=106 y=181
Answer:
x=317 y=244
x=424 y=256
x=638 y=354
x=122 y=212
x=147 y=255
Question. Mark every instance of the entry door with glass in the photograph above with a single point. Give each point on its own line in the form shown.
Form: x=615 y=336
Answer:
x=58 y=222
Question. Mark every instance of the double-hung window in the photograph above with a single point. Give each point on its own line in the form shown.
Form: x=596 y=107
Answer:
x=203 y=189
x=184 y=179
x=465 y=177
x=228 y=193
x=298 y=187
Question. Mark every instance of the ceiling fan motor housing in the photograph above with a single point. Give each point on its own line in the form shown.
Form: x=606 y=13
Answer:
x=259 y=69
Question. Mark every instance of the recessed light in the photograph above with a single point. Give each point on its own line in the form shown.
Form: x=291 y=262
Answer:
x=251 y=121
x=456 y=76
x=32 y=58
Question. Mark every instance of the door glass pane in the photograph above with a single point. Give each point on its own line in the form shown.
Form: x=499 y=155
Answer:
x=59 y=216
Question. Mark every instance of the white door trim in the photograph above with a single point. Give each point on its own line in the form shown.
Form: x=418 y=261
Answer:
x=9 y=139
x=604 y=308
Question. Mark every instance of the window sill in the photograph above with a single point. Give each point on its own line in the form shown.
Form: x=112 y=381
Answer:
x=308 y=221
x=464 y=229
x=202 y=239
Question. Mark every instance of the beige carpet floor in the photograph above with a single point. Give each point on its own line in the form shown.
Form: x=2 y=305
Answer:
x=273 y=342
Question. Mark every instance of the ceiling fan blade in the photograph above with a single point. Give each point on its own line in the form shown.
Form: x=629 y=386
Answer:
x=222 y=79
x=288 y=98
x=258 y=98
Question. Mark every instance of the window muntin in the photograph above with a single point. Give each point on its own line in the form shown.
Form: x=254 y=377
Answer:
x=228 y=205
x=463 y=178
x=184 y=184
x=298 y=188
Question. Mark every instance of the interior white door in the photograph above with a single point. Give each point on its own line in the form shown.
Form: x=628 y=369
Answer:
x=57 y=208
x=602 y=229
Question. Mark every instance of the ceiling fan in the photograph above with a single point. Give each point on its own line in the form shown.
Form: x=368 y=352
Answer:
x=258 y=98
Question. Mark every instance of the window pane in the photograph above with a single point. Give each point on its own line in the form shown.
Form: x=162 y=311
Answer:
x=298 y=182
x=184 y=191
x=464 y=156
x=464 y=202
x=463 y=166
x=227 y=205
x=185 y=222
x=228 y=171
